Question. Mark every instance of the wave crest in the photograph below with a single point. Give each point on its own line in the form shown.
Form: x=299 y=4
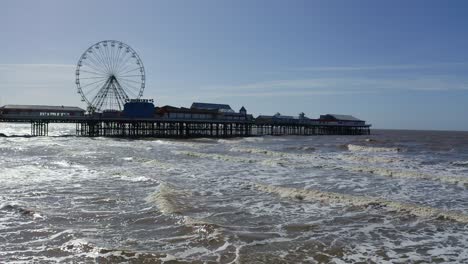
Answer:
x=361 y=201
x=214 y=156
x=170 y=200
x=458 y=180
x=460 y=163
x=359 y=148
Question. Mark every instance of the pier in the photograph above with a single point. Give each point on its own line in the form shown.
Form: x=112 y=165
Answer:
x=88 y=126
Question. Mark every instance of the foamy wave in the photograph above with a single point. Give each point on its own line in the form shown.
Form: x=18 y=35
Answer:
x=373 y=159
x=460 y=163
x=274 y=162
x=157 y=163
x=170 y=200
x=77 y=246
x=259 y=151
x=89 y=250
x=411 y=174
x=301 y=148
x=214 y=156
x=134 y=178
x=359 y=148
x=239 y=140
x=362 y=201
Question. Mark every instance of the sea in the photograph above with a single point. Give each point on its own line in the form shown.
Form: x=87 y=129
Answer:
x=390 y=197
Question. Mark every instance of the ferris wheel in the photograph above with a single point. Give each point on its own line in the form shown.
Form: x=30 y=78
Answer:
x=109 y=73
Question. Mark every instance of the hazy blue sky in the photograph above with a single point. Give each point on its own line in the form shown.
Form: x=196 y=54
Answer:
x=397 y=64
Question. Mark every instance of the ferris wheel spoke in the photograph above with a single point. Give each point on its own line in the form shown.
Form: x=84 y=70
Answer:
x=89 y=84
x=131 y=70
x=122 y=93
x=108 y=58
x=103 y=77
x=95 y=62
x=101 y=55
x=131 y=85
x=124 y=64
x=98 y=58
x=91 y=90
x=95 y=73
x=138 y=75
x=124 y=68
x=111 y=57
x=122 y=60
x=128 y=80
x=117 y=60
x=135 y=91
x=94 y=68
x=132 y=93
x=95 y=55
x=116 y=57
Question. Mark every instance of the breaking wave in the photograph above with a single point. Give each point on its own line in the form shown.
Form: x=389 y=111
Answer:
x=373 y=159
x=99 y=254
x=362 y=201
x=259 y=151
x=301 y=148
x=214 y=156
x=411 y=174
x=360 y=148
x=460 y=163
x=171 y=200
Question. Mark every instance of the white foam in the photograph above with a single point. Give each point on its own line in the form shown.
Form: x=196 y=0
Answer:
x=460 y=163
x=259 y=151
x=214 y=156
x=171 y=200
x=372 y=159
x=395 y=173
x=134 y=178
x=362 y=201
x=352 y=147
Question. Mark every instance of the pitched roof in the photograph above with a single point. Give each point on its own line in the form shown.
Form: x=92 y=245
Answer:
x=242 y=109
x=345 y=117
x=173 y=109
x=209 y=106
x=44 y=108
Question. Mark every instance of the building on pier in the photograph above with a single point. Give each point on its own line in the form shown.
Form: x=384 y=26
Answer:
x=202 y=111
x=284 y=119
x=340 y=120
x=222 y=108
x=183 y=113
x=41 y=111
x=139 y=108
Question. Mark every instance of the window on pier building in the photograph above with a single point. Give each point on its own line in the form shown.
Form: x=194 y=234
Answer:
x=54 y=114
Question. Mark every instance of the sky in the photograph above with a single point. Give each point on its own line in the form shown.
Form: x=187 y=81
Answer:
x=396 y=64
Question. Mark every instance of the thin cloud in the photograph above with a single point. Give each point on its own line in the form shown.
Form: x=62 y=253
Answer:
x=343 y=85
x=379 y=67
x=10 y=66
